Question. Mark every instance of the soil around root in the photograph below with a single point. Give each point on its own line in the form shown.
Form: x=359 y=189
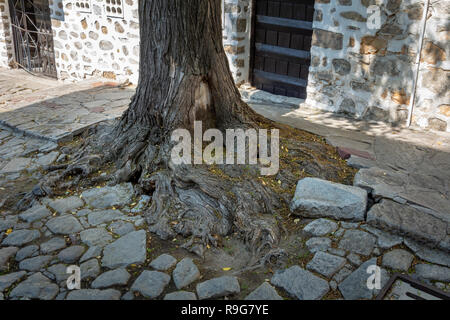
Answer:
x=203 y=204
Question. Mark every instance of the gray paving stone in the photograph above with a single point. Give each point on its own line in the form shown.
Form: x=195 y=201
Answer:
x=318 y=244
x=36 y=286
x=53 y=244
x=60 y=273
x=300 y=283
x=409 y=185
x=9 y=279
x=99 y=217
x=5 y=255
x=95 y=237
x=343 y=273
x=326 y=264
x=26 y=252
x=264 y=292
x=47 y=159
x=164 y=262
x=35 y=264
x=357 y=241
x=407 y=221
x=61 y=296
x=151 y=283
x=433 y=272
x=339 y=233
x=354 y=259
x=398 y=259
x=106 y=197
x=128 y=296
x=8 y=222
x=89 y=269
x=427 y=254
x=64 y=225
x=83 y=212
x=121 y=227
x=355 y=285
x=337 y=252
x=65 y=205
x=35 y=213
x=218 y=287
x=118 y=277
x=360 y=163
x=21 y=237
x=349 y=225
x=180 y=295
x=185 y=273
x=130 y=249
x=94 y=294
x=385 y=240
x=16 y=165
x=320 y=227
x=71 y=254
x=318 y=198
x=92 y=252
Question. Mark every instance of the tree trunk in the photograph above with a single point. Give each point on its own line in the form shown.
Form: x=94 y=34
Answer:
x=184 y=72
x=185 y=77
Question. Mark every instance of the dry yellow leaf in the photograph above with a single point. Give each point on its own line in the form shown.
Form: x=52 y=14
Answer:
x=226 y=269
x=8 y=231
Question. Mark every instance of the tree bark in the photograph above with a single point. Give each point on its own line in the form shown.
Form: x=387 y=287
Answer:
x=185 y=77
x=184 y=72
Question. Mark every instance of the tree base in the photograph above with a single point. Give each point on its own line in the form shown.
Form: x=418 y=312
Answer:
x=202 y=203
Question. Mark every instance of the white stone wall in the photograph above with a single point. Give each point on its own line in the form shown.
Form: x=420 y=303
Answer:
x=433 y=101
x=236 y=37
x=367 y=72
x=89 y=42
x=6 y=47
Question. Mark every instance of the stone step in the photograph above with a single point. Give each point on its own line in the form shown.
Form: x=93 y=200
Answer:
x=316 y=198
x=411 y=222
x=425 y=192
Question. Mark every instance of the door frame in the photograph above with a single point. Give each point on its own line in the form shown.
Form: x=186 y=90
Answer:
x=46 y=63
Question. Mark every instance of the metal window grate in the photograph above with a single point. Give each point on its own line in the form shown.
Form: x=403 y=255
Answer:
x=32 y=36
x=403 y=287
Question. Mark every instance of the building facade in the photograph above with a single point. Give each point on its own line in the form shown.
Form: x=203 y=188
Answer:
x=356 y=57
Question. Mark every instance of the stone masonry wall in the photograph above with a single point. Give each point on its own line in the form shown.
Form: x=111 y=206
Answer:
x=6 y=46
x=236 y=37
x=367 y=72
x=91 y=41
x=433 y=104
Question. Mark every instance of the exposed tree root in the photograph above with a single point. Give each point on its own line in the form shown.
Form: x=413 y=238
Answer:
x=201 y=203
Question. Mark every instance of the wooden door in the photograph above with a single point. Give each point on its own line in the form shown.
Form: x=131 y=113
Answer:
x=281 y=42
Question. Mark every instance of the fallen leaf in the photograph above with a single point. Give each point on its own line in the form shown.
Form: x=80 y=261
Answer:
x=226 y=269
x=8 y=231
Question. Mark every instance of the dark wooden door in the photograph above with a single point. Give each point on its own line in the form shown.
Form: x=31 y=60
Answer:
x=33 y=36
x=280 y=46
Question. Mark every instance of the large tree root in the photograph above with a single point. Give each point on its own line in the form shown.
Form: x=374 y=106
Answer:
x=201 y=203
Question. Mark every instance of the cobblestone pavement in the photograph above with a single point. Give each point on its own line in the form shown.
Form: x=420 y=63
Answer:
x=401 y=224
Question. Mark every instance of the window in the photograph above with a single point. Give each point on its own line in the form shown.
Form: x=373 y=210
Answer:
x=83 y=6
x=114 y=8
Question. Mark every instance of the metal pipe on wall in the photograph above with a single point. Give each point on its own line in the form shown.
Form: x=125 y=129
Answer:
x=418 y=57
